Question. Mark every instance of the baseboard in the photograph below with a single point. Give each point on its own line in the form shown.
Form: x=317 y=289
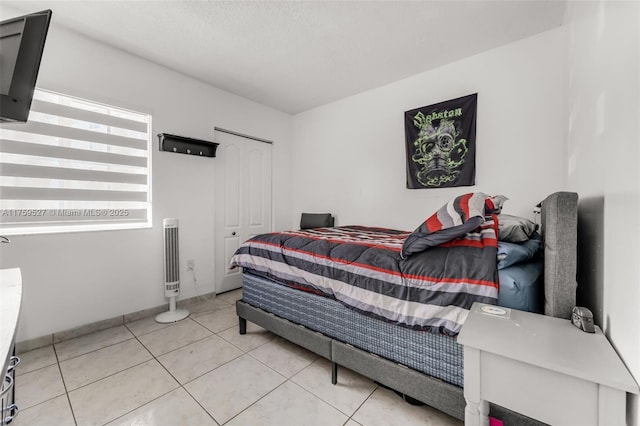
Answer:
x=72 y=333
x=138 y=315
x=35 y=343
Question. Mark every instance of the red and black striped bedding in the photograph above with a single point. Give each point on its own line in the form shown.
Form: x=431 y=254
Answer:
x=362 y=268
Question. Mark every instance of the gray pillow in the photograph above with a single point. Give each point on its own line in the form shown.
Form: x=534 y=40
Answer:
x=514 y=229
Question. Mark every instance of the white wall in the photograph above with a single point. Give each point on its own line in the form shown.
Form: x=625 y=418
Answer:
x=75 y=279
x=349 y=156
x=604 y=142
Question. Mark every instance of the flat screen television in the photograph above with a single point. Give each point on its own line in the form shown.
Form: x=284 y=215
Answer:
x=21 y=45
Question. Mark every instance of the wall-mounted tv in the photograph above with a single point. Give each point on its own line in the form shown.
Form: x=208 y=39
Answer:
x=21 y=45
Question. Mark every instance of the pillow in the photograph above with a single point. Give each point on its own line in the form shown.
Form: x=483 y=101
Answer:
x=493 y=205
x=515 y=229
x=511 y=253
x=420 y=241
x=458 y=217
x=522 y=286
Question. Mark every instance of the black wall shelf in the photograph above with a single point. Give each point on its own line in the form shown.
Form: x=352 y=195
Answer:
x=184 y=145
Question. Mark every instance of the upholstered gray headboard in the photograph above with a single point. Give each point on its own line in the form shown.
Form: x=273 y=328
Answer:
x=559 y=215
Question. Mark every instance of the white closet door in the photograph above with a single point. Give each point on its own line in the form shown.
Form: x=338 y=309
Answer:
x=243 y=200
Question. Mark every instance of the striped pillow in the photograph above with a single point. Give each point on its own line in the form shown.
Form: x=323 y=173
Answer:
x=458 y=217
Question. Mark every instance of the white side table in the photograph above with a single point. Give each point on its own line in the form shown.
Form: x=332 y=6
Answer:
x=542 y=367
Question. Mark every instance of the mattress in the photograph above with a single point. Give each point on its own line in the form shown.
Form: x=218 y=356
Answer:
x=434 y=354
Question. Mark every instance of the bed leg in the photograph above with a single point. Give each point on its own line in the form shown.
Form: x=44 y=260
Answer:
x=242 y=325
x=334 y=373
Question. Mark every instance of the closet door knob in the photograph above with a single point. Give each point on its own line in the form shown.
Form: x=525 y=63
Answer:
x=233 y=233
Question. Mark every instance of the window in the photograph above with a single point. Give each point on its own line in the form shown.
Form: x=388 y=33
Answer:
x=76 y=165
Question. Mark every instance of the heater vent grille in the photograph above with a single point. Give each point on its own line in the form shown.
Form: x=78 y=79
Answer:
x=171 y=273
x=171 y=258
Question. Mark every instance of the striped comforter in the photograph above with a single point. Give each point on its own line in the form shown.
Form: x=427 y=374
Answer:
x=362 y=268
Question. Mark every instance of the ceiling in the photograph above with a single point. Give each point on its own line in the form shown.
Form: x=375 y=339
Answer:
x=297 y=55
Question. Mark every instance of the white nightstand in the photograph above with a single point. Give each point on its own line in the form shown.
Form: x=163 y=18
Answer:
x=542 y=367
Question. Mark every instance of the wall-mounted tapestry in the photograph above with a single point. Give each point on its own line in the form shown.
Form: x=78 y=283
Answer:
x=441 y=144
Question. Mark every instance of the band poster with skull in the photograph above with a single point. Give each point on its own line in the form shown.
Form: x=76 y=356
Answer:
x=441 y=144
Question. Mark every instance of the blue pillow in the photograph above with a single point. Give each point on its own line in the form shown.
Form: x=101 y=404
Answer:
x=522 y=286
x=511 y=253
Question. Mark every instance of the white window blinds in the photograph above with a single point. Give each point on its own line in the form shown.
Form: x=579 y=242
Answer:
x=75 y=166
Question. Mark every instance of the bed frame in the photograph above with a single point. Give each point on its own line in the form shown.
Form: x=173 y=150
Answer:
x=559 y=232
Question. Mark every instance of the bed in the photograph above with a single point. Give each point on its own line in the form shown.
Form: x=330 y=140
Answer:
x=403 y=346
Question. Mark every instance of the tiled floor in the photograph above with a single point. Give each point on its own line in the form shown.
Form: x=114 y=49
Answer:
x=199 y=371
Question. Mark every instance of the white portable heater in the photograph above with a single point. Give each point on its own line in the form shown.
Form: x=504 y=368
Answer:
x=171 y=273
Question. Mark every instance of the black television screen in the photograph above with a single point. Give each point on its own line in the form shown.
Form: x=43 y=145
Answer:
x=21 y=45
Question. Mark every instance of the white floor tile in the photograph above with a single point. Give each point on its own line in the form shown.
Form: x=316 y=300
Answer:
x=231 y=296
x=91 y=342
x=145 y=325
x=196 y=359
x=38 y=358
x=55 y=411
x=175 y=408
x=229 y=389
x=39 y=386
x=96 y=365
x=347 y=395
x=110 y=398
x=227 y=377
x=219 y=320
x=385 y=408
x=208 y=306
x=170 y=338
x=283 y=356
x=256 y=336
x=289 y=404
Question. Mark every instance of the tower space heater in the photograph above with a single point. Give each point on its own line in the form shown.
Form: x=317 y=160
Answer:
x=171 y=273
